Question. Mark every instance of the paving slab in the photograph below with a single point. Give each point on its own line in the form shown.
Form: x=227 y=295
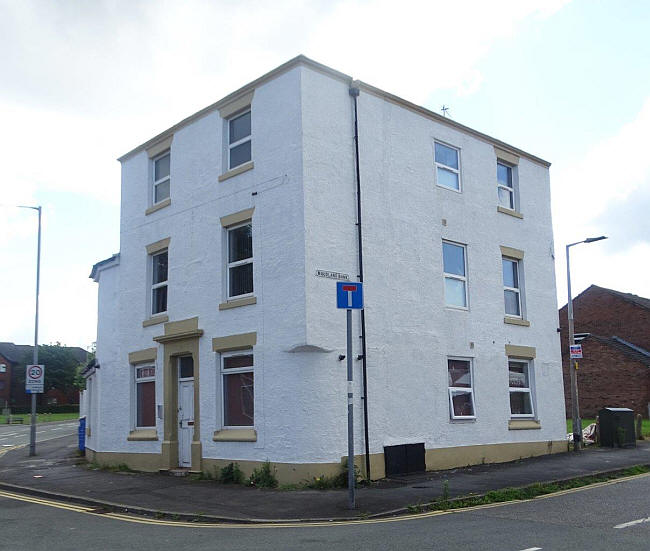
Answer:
x=58 y=470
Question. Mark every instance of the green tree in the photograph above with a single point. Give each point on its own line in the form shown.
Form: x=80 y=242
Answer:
x=60 y=368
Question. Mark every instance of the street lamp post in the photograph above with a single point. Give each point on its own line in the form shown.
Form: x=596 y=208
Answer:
x=32 y=428
x=573 y=365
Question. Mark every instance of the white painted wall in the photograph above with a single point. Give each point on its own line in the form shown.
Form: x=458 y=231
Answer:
x=303 y=191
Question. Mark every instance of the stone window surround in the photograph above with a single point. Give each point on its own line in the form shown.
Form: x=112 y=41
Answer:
x=526 y=353
x=227 y=222
x=152 y=152
x=152 y=249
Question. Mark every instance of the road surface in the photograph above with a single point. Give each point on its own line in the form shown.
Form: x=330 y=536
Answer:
x=18 y=435
x=604 y=517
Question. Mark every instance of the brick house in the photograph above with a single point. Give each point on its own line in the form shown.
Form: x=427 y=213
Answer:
x=614 y=330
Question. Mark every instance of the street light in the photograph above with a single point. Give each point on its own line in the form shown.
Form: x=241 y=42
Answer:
x=32 y=428
x=573 y=366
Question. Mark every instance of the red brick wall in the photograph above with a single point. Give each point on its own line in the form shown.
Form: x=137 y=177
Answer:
x=607 y=377
x=602 y=313
x=6 y=379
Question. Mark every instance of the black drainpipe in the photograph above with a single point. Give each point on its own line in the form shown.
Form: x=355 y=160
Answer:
x=354 y=92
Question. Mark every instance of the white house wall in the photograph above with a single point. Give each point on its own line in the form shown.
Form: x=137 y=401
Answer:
x=410 y=333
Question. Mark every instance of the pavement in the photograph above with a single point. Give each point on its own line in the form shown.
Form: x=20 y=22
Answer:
x=59 y=473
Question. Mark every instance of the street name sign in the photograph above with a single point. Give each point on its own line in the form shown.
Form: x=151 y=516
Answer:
x=34 y=379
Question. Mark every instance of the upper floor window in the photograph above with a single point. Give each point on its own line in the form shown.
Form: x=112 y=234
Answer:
x=521 y=403
x=240 y=260
x=461 y=389
x=161 y=177
x=239 y=140
x=159 y=283
x=455 y=274
x=505 y=185
x=511 y=286
x=447 y=166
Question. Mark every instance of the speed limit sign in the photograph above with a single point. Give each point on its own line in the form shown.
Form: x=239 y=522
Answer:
x=34 y=379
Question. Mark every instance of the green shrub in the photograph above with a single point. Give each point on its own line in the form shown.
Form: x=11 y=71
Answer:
x=231 y=474
x=340 y=480
x=64 y=408
x=264 y=476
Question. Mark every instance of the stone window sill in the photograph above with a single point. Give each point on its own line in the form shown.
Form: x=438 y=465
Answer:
x=523 y=424
x=142 y=435
x=235 y=435
x=510 y=212
x=158 y=206
x=236 y=171
x=516 y=321
x=237 y=302
x=155 y=320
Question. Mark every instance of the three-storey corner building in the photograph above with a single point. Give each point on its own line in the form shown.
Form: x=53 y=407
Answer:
x=218 y=336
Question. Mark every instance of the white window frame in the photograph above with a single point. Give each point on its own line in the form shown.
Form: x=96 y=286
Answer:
x=511 y=190
x=239 y=142
x=447 y=275
x=233 y=371
x=516 y=290
x=137 y=380
x=447 y=167
x=452 y=389
x=230 y=265
x=524 y=390
x=167 y=178
x=158 y=285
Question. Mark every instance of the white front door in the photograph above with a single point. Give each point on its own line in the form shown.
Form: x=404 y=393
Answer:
x=185 y=421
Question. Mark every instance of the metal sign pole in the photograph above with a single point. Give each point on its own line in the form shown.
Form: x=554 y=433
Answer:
x=32 y=428
x=351 y=477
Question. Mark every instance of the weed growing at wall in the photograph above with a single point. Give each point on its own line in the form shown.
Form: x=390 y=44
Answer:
x=264 y=476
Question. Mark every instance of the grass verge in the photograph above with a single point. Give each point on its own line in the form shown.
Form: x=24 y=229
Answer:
x=41 y=417
x=527 y=492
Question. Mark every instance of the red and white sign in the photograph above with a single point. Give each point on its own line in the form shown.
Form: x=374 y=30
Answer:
x=34 y=379
x=575 y=351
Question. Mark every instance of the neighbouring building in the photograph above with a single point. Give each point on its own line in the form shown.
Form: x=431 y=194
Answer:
x=614 y=330
x=218 y=335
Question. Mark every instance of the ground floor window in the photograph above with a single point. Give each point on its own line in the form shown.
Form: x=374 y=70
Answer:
x=461 y=390
x=521 y=403
x=145 y=396
x=237 y=370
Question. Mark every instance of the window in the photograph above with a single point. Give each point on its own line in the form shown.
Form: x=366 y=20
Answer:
x=238 y=389
x=505 y=187
x=239 y=140
x=461 y=392
x=511 y=287
x=145 y=396
x=159 y=283
x=521 y=403
x=161 y=178
x=240 y=260
x=2 y=385
x=185 y=367
x=447 y=166
x=455 y=274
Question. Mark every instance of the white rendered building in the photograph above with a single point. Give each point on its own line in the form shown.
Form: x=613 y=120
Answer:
x=219 y=339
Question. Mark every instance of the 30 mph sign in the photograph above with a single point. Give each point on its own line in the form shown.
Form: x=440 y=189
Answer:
x=34 y=379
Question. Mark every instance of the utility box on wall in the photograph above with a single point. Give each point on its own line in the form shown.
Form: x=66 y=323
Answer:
x=617 y=427
x=404 y=459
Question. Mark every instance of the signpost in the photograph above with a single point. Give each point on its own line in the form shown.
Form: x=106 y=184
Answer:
x=349 y=296
x=34 y=379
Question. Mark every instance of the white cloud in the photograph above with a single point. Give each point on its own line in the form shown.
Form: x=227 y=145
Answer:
x=597 y=194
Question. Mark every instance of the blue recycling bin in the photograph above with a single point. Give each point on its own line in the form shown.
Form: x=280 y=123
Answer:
x=82 y=434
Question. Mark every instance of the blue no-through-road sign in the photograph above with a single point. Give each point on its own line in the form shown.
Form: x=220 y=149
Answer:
x=349 y=295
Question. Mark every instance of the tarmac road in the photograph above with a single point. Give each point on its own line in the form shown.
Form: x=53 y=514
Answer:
x=604 y=517
x=18 y=435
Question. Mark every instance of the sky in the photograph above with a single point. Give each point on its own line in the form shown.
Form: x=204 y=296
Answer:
x=82 y=82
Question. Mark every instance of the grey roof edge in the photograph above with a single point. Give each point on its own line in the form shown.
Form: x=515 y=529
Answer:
x=635 y=352
x=634 y=347
x=304 y=60
x=104 y=264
